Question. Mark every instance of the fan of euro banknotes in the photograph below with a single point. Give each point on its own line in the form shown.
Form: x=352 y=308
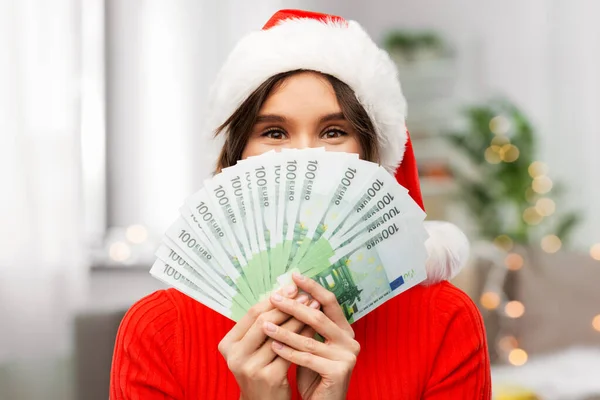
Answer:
x=331 y=216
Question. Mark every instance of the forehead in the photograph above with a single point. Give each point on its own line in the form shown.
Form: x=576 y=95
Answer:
x=302 y=92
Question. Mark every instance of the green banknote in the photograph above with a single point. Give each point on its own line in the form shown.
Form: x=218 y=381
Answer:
x=384 y=198
x=221 y=282
x=234 y=178
x=199 y=248
x=316 y=198
x=341 y=220
x=264 y=201
x=323 y=246
x=169 y=275
x=202 y=280
x=365 y=276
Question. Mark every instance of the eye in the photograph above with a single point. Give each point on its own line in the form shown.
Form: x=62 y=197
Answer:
x=333 y=133
x=275 y=134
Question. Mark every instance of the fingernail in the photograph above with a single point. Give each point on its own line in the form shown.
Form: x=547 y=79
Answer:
x=276 y=297
x=298 y=276
x=277 y=345
x=315 y=304
x=302 y=298
x=290 y=289
x=270 y=326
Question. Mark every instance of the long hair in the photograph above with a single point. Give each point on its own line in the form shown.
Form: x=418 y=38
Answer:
x=238 y=126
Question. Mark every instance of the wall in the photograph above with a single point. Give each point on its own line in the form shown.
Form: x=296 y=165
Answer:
x=165 y=54
x=544 y=55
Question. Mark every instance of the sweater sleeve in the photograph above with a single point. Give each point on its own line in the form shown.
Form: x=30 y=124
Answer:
x=147 y=356
x=461 y=368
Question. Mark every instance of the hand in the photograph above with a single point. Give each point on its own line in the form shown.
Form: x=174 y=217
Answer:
x=324 y=368
x=258 y=371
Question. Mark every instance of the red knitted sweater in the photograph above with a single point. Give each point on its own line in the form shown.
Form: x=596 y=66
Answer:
x=427 y=343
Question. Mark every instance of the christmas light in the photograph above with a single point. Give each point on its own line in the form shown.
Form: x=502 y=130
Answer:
x=596 y=322
x=500 y=140
x=541 y=184
x=136 y=234
x=514 y=309
x=517 y=357
x=545 y=206
x=537 y=169
x=514 y=261
x=490 y=300
x=499 y=125
x=508 y=343
x=504 y=242
x=530 y=195
x=531 y=216
x=492 y=155
x=509 y=153
x=551 y=244
x=119 y=251
x=595 y=252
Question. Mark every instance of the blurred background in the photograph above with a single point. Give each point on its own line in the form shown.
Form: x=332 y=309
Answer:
x=101 y=104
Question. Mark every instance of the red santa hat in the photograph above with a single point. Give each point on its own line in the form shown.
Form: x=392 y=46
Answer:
x=295 y=39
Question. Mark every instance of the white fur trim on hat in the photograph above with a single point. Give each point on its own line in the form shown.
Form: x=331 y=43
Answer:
x=448 y=251
x=343 y=50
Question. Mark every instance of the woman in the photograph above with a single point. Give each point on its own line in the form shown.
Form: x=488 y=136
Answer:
x=311 y=80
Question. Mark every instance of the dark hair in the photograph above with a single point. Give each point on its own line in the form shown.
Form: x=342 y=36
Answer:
x=239 y=125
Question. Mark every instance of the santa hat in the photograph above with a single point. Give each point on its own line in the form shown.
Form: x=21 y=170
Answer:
x=295 y=39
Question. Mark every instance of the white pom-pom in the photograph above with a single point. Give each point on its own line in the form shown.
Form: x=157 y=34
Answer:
x=448 y=250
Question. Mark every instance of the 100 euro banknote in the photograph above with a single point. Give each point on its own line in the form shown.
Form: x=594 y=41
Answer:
x=341 y=220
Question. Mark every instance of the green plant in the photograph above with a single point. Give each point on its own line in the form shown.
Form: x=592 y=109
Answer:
x=409 y=42
x=506 y=190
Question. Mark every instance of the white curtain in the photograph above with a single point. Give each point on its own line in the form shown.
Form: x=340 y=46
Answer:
x=42 y=263
x=162 y=57
x=572 y=146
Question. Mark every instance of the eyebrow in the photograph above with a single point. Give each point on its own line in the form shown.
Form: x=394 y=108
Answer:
x=278 y=118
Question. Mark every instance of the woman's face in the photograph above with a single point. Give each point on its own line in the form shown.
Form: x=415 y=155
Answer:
x=302 y=112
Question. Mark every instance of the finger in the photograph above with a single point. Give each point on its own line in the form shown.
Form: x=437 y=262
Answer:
x=265 y=355
x=301 y=343
x=310 y=316
x=272 y=371
x=240 y=329
x=255 y=336
x=278 y=366
x=329 y=303
x=308 y=331
x=318 y=364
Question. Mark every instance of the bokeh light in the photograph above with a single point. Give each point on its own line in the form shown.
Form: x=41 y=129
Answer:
x=490 y=300
x=119 y=251
x=542 y=184
x=514 y=309
x=513 y=261
x=509 y=153
x=595 y=252
x=508 y=343
x=499 y=125
x=545 y=206
x=531 y=216
x=504 y=242
x=596 y=322
x=136 y=234
x=537 y=169
x=517 y=357
x=500 y=140
x=492 y=155
x=530 y=195
x=551 y=244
